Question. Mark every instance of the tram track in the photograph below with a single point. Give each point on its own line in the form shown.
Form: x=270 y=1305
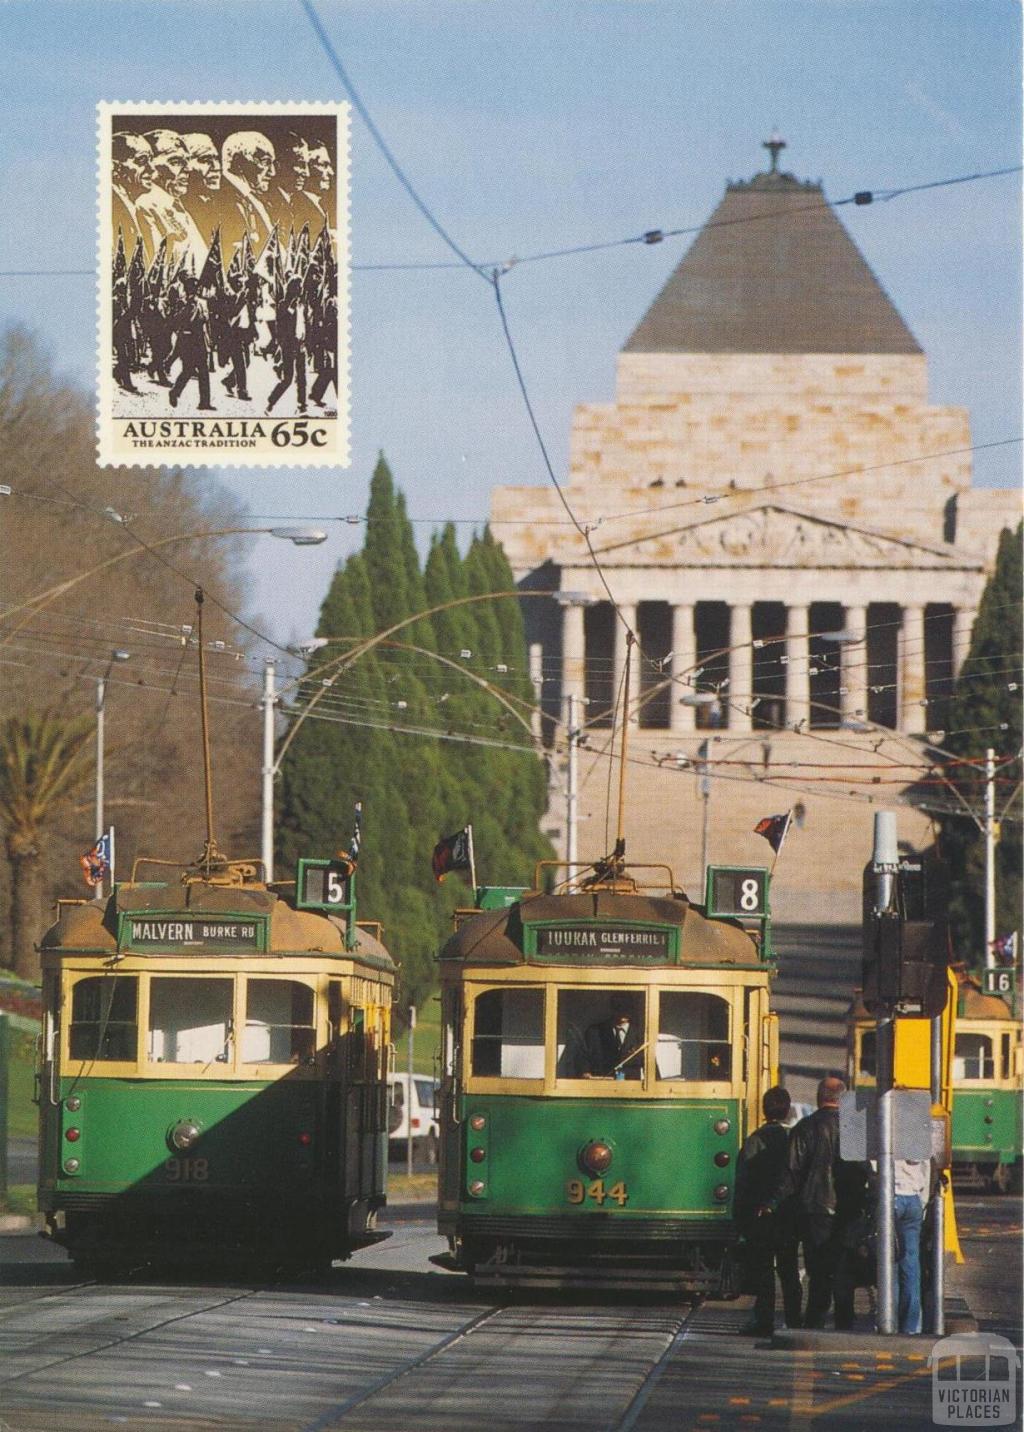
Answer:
x=639 y=1400
x=112 y=1342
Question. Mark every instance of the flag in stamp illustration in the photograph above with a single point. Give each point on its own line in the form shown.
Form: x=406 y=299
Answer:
x=223 y=285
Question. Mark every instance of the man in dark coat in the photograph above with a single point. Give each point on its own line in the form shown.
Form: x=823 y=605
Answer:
x=829 y=1196
x=770 y=1238
x=291 y=337
x=610 y=1042
x=193 y=347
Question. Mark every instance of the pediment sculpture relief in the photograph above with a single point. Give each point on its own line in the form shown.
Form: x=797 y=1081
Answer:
x=774 y=537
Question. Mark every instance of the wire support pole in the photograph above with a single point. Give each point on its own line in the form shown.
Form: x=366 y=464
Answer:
x=268 y=703
x=884 y=1036
x=990 y=858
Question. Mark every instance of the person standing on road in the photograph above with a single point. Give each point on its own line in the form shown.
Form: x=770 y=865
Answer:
x=770 y=1238
x=828 y=1196
x=912 y=1182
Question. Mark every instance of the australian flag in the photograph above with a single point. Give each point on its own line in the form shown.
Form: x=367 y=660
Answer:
x=1005 y=949
x=451 y=853
x=96 y=862
x=357 y=835
x=774 y=828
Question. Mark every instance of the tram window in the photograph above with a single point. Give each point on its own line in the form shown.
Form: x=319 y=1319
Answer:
x=189 y=1020
x=279 y=1025
x=972 y=1057
x=693 y=1036
x=104 y=1019
x=588 y=1045
x=1006 y=1056
x=508 y=1038
x=866 y=1061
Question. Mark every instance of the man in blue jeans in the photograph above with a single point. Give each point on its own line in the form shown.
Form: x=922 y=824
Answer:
x=912 y=1179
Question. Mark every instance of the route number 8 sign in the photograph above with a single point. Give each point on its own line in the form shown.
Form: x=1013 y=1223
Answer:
x=737 y=890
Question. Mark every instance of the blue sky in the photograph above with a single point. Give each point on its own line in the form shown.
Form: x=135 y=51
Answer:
x=534 y=125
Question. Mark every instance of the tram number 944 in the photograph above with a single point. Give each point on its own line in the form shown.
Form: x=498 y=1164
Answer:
x=187 y=1170
x=578 y=1192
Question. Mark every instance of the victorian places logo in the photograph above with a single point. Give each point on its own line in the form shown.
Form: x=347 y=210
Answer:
x=974 y=1381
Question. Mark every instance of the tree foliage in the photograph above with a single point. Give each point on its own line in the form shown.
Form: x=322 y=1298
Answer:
x=417 y=787
x=56 y=526
x=985 y=713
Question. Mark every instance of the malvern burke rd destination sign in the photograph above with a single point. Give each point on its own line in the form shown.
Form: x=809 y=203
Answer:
x=238 y=934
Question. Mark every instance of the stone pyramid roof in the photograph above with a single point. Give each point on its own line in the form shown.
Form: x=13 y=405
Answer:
x=773 y=271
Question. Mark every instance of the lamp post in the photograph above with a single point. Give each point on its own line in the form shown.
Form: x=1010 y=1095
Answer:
x=101 y=699
x=576 y=601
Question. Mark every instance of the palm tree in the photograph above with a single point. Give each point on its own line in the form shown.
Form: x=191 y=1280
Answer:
x=44 y=759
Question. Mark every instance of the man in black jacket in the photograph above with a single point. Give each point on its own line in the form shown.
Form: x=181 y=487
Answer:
x=828 y=1197
x=770 y=1239
x=609 y=1044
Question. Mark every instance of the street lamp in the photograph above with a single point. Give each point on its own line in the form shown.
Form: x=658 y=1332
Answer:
x=300 y=536
x=101 y=696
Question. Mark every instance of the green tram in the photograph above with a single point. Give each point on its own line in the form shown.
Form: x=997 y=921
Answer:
x=988 y=1064
x=554 y=1172
x=212 y=1074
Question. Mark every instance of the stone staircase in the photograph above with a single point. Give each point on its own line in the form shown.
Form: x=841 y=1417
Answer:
x=819 y=968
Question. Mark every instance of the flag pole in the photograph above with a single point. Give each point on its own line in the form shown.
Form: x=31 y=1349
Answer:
x=778 y=852
x=472 y=859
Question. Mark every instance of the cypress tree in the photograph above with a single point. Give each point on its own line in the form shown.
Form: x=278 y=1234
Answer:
x=986 y=712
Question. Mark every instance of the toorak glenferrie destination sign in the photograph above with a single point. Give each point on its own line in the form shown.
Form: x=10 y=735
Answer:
x=630 y=944
x=158 y=932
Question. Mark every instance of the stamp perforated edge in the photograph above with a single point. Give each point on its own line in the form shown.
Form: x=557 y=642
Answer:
x=340 y=455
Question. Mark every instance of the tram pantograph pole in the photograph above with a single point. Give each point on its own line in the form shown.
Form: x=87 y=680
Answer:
x=990 y=858
x=101 y=697
x=572 y=788
x=267 y=827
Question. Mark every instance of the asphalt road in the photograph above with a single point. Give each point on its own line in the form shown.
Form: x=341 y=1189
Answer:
x=388 y=1343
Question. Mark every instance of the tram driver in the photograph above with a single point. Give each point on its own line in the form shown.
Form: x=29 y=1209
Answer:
x=613 y=1047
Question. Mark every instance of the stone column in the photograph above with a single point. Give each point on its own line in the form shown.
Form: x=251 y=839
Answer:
x=963 y=624
x=740 y=691
x=626 y=618
x=574 y=656
x=913 y=717
x=853 y=682
x=684 y=658
x=798 y=665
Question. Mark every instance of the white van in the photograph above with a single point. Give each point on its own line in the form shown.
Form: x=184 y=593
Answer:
x=419 y=1106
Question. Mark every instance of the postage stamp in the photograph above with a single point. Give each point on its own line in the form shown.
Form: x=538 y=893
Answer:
x=223 y=285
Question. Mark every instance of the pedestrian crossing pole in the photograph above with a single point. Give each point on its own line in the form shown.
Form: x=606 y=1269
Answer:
x=885 y=866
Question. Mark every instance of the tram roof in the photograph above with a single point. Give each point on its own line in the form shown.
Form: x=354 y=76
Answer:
x=497 y=936
x=91 y=926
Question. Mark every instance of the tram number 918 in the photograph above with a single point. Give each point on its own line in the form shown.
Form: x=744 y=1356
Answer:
x=187 y=1170
x=578 y=1192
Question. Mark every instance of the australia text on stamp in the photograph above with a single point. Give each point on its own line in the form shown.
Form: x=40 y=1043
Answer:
x=223 y=284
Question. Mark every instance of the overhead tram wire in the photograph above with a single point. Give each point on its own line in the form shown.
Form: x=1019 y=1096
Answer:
x=648 y=237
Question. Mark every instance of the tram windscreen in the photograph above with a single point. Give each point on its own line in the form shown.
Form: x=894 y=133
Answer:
x=693 y=1036
x=972 y=1057
x=104 y=1019
x=279 y=1025
x=189 y=1020
x=508 y=1034
x=600 y=1032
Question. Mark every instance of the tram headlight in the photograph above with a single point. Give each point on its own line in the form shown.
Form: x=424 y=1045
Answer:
x=476 y=1188
x=721 y=1193
x=722 y=1126
x=477 y=1122
x=184 y=1134
x=73 y=1103
x=595 y=1158
x=71 y=1165
x=478 y=1155
x=72 y=1135
x=722 y=1159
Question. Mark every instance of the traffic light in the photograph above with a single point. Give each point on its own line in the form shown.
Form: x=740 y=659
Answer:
x=906 y=946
